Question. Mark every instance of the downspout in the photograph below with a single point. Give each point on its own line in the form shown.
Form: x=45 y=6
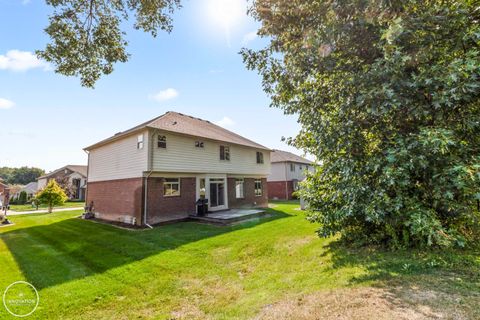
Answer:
x=150 y=171
x=88 y=175
x=145 y=201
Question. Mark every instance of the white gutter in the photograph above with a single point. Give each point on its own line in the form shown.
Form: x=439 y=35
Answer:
x=86 y=181
x=145 y=201
x=286 y=182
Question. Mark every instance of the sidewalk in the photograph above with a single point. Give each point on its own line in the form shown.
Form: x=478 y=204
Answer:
x=15 y=213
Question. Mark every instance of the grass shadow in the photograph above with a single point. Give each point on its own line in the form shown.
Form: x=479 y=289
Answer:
x=383 y=264
x=71 y=249
x=429 y=283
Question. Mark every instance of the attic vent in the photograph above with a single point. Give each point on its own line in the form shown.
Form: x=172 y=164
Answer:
x=174 y=122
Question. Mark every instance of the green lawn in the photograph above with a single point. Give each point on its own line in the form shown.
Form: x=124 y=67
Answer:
x=28 y=207
x=274 y=268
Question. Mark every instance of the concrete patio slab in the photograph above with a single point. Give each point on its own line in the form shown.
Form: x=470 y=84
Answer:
x=231 y=216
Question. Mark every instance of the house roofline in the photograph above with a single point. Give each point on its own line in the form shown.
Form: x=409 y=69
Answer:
x=303 y=162
x=146 y=127
x=60 y=169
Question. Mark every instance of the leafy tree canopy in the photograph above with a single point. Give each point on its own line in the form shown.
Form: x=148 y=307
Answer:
x=87 y=36
x=387 y=93
x=52 y=195
x=22 y=175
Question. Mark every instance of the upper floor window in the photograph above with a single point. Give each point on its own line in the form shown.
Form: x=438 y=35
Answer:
x=292 y=167
x=162 y=142
x=199 y=144
x=259 y=157
x=239 y=188
x=171 y=187
x=258 y=188
x=140 y=141
x=224 y=153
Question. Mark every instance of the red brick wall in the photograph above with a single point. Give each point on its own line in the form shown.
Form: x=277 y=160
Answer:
x=162 y=208
x=250 y=199
x=276 y=190
x=115 y=199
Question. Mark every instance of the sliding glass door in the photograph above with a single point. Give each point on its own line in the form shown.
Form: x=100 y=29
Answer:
x=217 y=193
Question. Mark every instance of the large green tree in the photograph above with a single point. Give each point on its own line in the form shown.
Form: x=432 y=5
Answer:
x=22 y=175
x=387 y=93
x=88 y=37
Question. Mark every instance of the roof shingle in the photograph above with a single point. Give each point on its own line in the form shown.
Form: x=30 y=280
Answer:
x=285 y=156
x=183 y=124
x=75 y=168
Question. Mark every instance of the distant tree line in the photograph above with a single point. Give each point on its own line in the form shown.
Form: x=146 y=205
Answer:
x=22 y=175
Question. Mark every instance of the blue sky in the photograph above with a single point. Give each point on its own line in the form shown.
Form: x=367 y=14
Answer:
x=46 y=118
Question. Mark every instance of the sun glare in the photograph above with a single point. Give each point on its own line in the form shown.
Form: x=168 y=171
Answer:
x=226 y=14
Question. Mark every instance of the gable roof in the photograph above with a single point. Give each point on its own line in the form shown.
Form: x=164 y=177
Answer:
x=183 y=124
x=32 y=187
x=75 y=168
x=285 y=156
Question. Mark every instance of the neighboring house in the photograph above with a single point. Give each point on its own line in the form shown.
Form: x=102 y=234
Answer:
x=31 y=189
x=4 y=194
x=71 y=177
x=156 y=171
x=287 y=170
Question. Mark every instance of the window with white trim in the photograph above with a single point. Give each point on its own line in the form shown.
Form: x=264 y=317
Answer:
x=162 y=142
x=239 y=188
x=171 y=187
x=225 y=153
x=199 y=144
x=292 y=167
x=258 y=188
x=259 y=157
x=140 y=141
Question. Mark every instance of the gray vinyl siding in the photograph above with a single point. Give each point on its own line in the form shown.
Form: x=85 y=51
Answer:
x=181 y=155
x=119 y=159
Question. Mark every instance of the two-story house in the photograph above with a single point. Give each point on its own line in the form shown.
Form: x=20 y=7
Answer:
x=156 y=171
x=287 y=169
x=73 y=178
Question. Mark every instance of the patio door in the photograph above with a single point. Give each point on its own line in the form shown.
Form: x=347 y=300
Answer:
x=217 y=194
x=213 y=188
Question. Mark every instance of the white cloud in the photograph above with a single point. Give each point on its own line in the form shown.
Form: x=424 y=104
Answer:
x=225 y=122
x=25 y=2
x=6 y=104
x=249 y=37
x=16 y=60
x=164 y=95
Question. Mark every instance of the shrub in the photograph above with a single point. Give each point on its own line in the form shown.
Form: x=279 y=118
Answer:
x=22 y=198
x=52 y=195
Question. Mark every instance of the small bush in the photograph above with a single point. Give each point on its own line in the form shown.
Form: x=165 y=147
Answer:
x=22 y=198
x=52 y=195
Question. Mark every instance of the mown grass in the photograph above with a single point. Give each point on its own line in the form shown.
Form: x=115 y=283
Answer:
x=29 y=207
x=86 y=270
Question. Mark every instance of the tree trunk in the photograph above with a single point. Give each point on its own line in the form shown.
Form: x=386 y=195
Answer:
x=50 y=208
